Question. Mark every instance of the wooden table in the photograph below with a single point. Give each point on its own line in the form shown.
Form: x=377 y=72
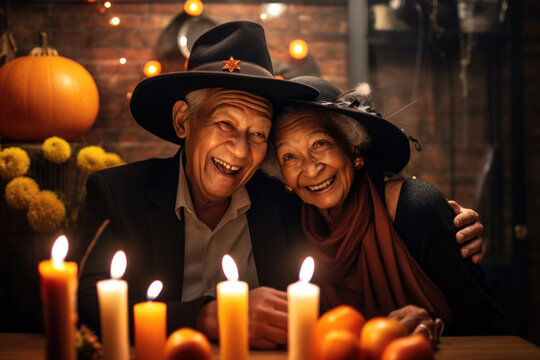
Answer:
x=31 y=347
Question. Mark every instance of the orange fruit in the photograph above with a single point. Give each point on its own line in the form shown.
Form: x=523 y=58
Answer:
x=412 y=347
x=377 y=333
x=339 y=345
x=342 y=317
x=188 y=344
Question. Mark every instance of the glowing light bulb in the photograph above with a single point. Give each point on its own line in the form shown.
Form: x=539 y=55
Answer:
x=298 y=49
x=107 y=4
x=193 y=7
x=183 y=41
x=152 y=68
x=275 y=9
x=264 y=16
x=115 y=21
x=123 y=61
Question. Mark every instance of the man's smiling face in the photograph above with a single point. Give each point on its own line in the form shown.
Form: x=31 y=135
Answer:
x=225 y=142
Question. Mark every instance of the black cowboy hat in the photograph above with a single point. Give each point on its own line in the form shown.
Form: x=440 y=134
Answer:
x=231 y=55
x=389 y=145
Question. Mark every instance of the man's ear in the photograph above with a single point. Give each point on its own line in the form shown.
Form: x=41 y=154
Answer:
x=180 y=118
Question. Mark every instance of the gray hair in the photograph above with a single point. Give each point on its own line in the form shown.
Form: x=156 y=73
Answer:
x=355 y=134
x=195 y=100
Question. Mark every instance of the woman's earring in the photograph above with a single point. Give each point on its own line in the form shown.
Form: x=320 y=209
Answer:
x=288 y=188
x=358 y=162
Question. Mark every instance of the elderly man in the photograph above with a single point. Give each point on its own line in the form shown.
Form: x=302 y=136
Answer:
x=175 y=218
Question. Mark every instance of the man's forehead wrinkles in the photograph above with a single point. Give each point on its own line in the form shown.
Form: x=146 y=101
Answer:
x=239 y=95
x=262 y=114
x=239 y=100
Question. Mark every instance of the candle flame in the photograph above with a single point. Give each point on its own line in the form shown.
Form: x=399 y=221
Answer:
x=118 y=265
x=306 y=271
x=229 y=267
x=153 y=290
x=59 y=250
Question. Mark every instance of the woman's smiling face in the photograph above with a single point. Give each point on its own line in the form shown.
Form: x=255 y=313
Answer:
x=314 y=164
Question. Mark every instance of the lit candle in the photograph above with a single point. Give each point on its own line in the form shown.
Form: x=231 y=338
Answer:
x=303 y=304
x=232 y=297
x=58 y=294
x=150 y=325
x=113 y=311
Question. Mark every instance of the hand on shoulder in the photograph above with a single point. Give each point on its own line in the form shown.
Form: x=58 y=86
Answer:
x=470 y=234
x=470 y=229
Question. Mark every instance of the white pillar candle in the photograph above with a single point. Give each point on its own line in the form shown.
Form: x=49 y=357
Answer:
x=232 y=297
x=303 y=305
x=113 y=311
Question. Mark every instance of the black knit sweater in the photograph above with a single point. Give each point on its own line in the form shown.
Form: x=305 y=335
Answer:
x=424 y=220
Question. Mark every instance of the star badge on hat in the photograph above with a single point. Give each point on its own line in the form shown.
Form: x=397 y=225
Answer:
x=231 y=64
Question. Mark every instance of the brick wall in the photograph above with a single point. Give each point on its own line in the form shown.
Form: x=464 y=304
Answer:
x=80 y=31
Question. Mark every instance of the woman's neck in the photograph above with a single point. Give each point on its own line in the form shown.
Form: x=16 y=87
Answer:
x=331 y=215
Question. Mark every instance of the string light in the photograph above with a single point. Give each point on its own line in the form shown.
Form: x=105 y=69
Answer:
x=152 y=68
x=115 y=21
x=275 y=9
x=107 y=4
x=193 y=7
x=264 y=16
x=298 y=49
x=123 y=61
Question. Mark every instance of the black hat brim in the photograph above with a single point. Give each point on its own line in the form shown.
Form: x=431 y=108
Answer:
x=389 y=144
x=153 y=98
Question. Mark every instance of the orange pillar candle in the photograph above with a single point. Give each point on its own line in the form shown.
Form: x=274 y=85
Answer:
x=150 y=325
x=303 y=308
x=58 y=281
x=113 y=311
x=232 y=298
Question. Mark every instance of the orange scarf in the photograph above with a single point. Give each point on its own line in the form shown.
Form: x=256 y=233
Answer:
x=364 y=263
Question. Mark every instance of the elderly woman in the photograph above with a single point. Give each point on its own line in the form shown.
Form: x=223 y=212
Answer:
x=384 y=248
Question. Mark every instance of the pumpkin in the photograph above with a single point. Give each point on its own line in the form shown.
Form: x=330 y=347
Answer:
x=45 y=95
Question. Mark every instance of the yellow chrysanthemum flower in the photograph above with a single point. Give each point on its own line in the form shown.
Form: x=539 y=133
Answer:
x=46 y=212
x=20 y=191
x=91 y=158
x=14 y=162
x=112 y=159
x=56 y=150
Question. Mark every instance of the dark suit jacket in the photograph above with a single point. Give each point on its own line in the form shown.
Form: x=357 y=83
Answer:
x=139 y=199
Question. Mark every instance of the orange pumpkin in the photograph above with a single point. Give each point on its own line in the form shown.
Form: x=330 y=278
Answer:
x=45 y=95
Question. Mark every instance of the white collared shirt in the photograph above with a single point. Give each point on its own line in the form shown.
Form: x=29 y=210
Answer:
x=204 y=248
